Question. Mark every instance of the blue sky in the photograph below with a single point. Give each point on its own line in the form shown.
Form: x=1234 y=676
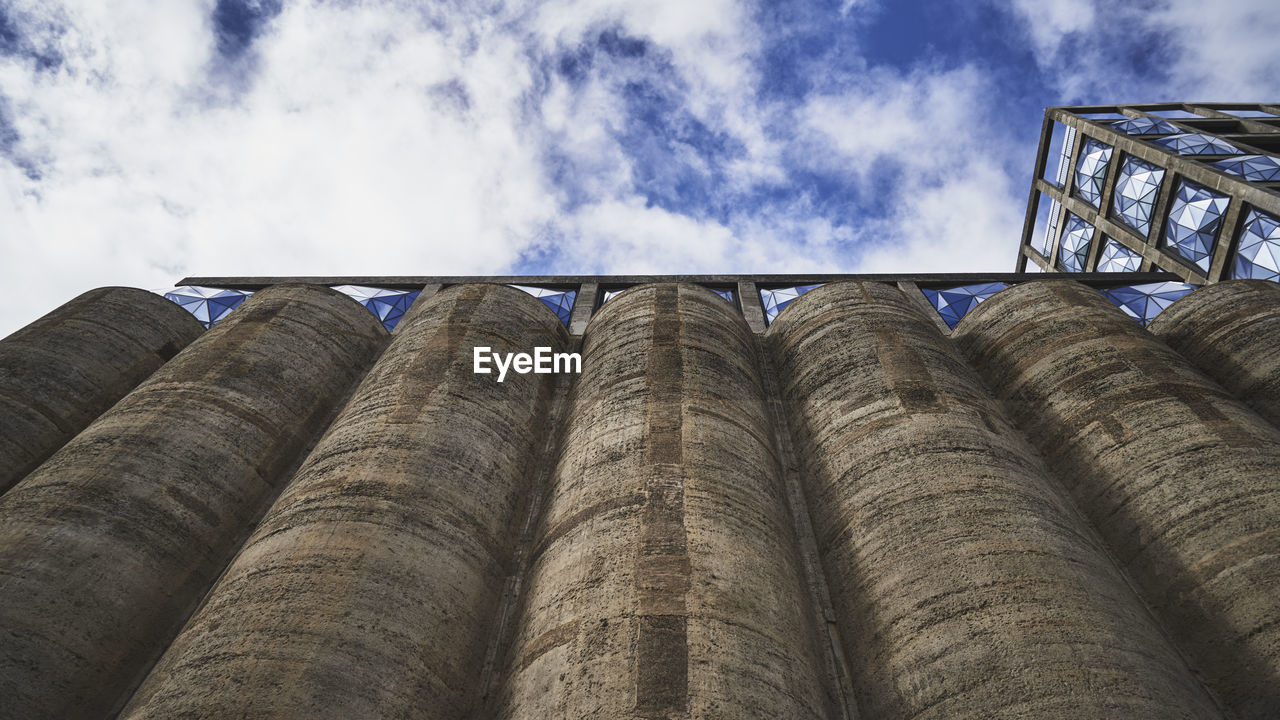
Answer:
x=160 y=138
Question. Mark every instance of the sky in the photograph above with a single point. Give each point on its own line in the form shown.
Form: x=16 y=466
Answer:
x=145 y=140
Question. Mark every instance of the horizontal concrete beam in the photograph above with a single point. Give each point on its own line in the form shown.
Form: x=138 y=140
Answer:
x=762 y=281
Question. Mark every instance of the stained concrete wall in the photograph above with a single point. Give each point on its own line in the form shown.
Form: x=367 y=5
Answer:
x=369 y=587
x=965 y=585
x=107 y=546
x=1231 y=331
x=1181 y=480
x=664 y=579
x=65 y=369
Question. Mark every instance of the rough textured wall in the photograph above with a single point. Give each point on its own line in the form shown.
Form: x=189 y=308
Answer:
x=368 y=589
x=65 y=369
x=1231 y=331
x=1182 y=480
x=664 y=580
x=106 y=548
x=966 y=585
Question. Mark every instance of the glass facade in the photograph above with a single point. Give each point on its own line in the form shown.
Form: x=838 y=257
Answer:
x=1180 y=189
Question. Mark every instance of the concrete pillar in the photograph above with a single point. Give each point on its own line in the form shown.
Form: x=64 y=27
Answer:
x=1181 y=480
x=583 y=305
x=752 y=307
x=65 y=369
x=964 y=583
x=1231 y=331
x=665 y=581
x=369 y=587
x=107 y=547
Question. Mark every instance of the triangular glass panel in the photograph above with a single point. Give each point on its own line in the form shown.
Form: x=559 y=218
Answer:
x=726 y=294
x=1091 y=170
x=1194 y=220
x=1254 y=168
x=954 y=303
x=777 y=299
x=1197 y=144
x=208 y=305
x=1137 y=187
x=387 y=305
x=1144 y=126
x=1258 y=251
x=1073 y=251
x=1145 y=302
x=1118 y=258
x=560 y=300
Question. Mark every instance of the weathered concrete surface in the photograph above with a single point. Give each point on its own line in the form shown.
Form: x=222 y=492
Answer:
x=965 y=584
x=368 y=589
x=665 y=580
x=1182 y=481
x=1231 y=331
x=65 y=369
x=106 y=548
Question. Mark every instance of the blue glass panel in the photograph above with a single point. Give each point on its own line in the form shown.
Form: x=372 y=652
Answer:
x=726 y=294
x=1254 y=168
x=1091 y=171
x=1194 y=219
x=777 y=299
x=954 y=303
x=389 y=306
x=1136 y=190
x=1258 y=252
x=1118 y=258
x=1145 y=302
x=560 y=300
x=1073 y=251
x=1144 y=126
x=208 y=305
x=1197 y=144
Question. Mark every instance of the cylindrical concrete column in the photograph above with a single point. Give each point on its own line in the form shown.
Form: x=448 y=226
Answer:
x=1231 y=331
x=665 y=580
x=1182 y=481
x=65 y=369
x=965 y=584
x=106 y=548
x=369 y=587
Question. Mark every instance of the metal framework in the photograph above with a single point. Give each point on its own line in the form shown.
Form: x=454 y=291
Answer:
x=1196 y=217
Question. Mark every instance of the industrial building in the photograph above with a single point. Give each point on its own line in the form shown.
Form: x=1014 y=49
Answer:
x=763 y=497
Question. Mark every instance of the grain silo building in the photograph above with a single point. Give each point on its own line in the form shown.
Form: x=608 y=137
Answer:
x=757 y=497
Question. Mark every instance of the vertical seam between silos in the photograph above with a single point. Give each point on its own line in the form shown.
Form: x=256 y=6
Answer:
x=839 y=676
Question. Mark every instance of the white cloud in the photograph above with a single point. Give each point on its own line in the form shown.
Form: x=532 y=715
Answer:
x=955 y=207
x=1226 y=52
x=388 y=137
x=1190 y=50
